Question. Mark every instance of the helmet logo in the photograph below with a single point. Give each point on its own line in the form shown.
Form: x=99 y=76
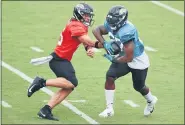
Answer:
x=121 y=11
x=80 y=6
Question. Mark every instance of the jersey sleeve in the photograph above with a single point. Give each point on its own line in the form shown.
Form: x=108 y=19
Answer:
x=107 y=26
x=77 y=30
x=130 y=35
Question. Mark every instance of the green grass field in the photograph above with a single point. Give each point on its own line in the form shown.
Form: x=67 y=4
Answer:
x=32 y=23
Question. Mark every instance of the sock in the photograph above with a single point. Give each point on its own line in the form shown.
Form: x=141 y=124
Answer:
x=109 y=95
x=149 y=97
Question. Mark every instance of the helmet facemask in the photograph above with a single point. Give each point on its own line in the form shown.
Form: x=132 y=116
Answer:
x=87 y=18
x=84 y=13
x=116 y=20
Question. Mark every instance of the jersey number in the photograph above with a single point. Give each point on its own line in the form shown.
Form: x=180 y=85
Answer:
x=60 y=40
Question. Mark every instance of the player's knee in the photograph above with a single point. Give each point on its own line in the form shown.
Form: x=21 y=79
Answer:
x=138 y=85
x=141 y=88
x=144 y=90
x=74 y=81
x=110 y=77
x=109 y=84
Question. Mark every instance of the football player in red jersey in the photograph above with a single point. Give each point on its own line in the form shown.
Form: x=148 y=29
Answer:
x=75 y=33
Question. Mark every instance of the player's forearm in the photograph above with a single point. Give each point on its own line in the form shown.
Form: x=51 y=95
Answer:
x=86 y=40
x=129 y=53
x=89 y=43
x=98 y=34
x=123 y=59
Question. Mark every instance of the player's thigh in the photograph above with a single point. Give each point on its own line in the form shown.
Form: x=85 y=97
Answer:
x=117 y=70
x=139 y=77
x=64 y=68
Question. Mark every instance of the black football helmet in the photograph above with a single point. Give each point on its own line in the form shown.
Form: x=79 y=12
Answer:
x=84 y=9
x=116 y=17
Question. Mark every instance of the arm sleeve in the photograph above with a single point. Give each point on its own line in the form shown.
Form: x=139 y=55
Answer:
x=77 y=30
x=128 y=36
x=107 y=26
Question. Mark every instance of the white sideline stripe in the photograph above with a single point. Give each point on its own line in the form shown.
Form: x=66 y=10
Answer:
x=5 y=104
x=168 y=7
x=49 y=92
x=131 y=103
x=76 y=100
x=37 y=49
x=70 y=100
x=150 y=49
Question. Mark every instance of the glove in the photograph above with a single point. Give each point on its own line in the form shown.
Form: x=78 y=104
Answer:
x=109 y=57
x=108 y=48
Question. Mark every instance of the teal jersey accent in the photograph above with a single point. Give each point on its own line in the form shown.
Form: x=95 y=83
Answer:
x=125 y=33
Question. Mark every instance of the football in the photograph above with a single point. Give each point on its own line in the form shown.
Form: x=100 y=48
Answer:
x=116 y=48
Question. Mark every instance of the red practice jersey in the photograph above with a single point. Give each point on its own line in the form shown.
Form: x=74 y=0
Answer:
x=67 y=44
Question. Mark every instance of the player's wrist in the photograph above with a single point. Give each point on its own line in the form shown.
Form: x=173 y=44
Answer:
x=97 y=44
x=87 y=47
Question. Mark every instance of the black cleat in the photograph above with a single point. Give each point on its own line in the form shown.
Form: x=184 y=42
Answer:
x=45 y=113
x=36 y=85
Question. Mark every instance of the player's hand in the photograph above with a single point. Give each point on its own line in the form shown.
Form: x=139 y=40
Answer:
x=109 y=57
x=108 y=48
x=90 y=52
